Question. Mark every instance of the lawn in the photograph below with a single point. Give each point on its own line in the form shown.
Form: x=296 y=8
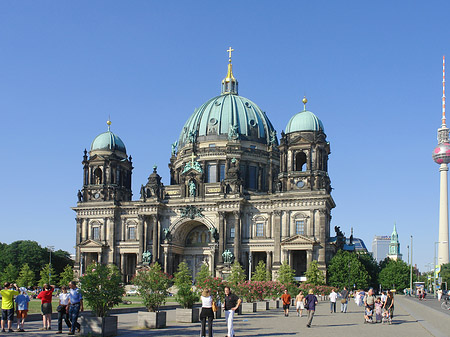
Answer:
x=34 y=307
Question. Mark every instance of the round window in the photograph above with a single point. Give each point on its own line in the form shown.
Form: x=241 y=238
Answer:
x=300 y=183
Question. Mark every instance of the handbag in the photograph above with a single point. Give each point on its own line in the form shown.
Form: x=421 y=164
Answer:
x=343 y=301
x=60 y=308
x=214 y=306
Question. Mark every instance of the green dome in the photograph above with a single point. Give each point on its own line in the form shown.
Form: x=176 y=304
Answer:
x=304 y=121
x=108 y=141
x=228 y=116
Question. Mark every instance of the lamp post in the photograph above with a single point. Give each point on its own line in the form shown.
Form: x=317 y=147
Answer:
x=434 y=268
x=411 y=268
x=250 y=266
x=50 y=248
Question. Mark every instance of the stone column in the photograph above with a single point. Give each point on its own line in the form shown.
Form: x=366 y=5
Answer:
x=111 y=230
x=155 y=244
x=237 y=235
x=309 y=254
x=79 y=231
x=277 y=237
x=145 y=233
x=84 y=234
x=222 y=235
x=322 y=238
x=99 y=257
x=269 y=262
x=140 y=236
x=122 y=266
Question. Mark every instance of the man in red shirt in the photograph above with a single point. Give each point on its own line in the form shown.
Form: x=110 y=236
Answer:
x=46 y=306
x=286 y=298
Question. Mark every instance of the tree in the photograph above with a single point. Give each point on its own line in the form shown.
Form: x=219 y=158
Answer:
x=10 y=274
x=286 y=274
x=395 y=275
x=261 y=273
x=152 y=285
x=237 y=274
x=345 y=269
x=372 y=268
x=66 y=276
x=102 y=288
x=48 y=275
x=203 y=275
x=185 y=296
x=445 y=273
x=314 y=275
x=26 y=277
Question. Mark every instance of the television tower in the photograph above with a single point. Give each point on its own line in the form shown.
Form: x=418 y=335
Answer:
x=441 y=155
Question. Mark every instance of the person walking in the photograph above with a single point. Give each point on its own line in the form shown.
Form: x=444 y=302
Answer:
x=344 y=300
x=230 y=305
x=46 y=306
x=75 y=306
x=286 y=298
x=207 y=313
x=63 y=309
x=22 y=308
x=299 y=304
x=333 y=298
x=389 y=305
x=311 y=302
x=8 y=304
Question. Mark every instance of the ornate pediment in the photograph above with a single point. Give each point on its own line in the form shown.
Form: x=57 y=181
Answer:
x=90 y=244
x=298 y=240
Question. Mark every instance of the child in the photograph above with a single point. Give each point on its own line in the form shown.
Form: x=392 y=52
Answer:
x=22 y=308
x=378 y=307
x=368 y=314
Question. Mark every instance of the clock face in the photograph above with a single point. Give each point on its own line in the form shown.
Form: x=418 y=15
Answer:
x=97 y=195
x=300 y=183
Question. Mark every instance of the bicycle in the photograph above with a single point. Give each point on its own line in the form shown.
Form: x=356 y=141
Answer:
x=445 y=304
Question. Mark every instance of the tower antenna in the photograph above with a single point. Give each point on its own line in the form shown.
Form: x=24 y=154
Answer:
x=443 y=90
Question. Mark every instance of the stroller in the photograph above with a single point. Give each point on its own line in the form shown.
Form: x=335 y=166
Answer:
x=368 y=315
x=386 y=317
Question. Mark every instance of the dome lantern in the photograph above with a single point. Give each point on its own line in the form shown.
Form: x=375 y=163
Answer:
x=229 y=83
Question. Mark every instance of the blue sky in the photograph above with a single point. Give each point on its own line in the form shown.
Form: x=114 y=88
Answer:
x=372 y=73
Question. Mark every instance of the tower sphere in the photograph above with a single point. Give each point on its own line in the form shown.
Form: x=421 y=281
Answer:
x=441 y=153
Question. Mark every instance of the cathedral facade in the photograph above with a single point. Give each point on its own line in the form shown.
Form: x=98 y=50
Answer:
x=236 y=192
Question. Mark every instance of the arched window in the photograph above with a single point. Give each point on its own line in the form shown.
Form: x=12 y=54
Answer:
x=98 y=176
x=198 y=237
x=300 y=161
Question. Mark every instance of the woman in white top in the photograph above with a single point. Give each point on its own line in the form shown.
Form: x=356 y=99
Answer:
x=207 y=312
x=63 y=309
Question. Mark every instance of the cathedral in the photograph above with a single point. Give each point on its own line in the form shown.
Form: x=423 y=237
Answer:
x=237 y=192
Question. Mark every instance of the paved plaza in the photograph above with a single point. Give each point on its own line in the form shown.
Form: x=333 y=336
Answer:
x=412 y=318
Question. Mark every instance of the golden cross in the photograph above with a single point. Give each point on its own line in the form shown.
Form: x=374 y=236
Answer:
x=230 y=50
x=192 y=158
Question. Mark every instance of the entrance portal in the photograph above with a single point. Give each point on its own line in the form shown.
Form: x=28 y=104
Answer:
x=299 y=262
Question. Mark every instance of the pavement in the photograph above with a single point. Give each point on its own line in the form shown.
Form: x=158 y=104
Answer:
x=411 y=318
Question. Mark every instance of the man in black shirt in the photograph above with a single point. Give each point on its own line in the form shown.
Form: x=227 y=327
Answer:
x=231 y=304
x=344 y=300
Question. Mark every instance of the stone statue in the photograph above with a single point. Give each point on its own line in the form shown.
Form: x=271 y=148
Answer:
x=146 y=257
x=80 y=196
x=142 y=192
x=233 y=133
x=192 y=189
x=273 y=137
x=228 y=256
x=166 y=232
x=213 y=232
x=174 y=148
x=192 y=137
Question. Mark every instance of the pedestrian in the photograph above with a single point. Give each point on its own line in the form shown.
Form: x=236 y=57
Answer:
x=383 y=297
x=22 y=308
x=8 y=304
x=344 y=300
x=439 y=294
x=230 y=305
x=75 y=306
x=286 y=299
x=369 y=305
x=299 y=304
x=389 y=305
x=63 y=309
x=333 y=298
x=310 y=301
x=207 y=312
x=378 y=310
x=46 y=306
